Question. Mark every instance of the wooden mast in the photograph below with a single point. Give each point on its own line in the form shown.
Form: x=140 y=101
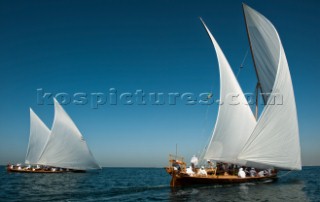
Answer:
x=176 y=151
x=257 y=100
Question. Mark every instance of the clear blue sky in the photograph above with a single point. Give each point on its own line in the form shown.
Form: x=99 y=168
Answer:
x=156 y=46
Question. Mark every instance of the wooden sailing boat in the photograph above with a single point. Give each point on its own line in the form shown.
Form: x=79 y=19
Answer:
x=63 y=149
x=269 y=142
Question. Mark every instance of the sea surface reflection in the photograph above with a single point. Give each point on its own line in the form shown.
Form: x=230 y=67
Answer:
x=150 y=184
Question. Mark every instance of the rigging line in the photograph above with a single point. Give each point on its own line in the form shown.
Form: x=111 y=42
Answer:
x=243 y=61
x=204 y=130
x=201 y=157
x=207 y=110
x=252 y=103
x=245 y=56
x=286 y=173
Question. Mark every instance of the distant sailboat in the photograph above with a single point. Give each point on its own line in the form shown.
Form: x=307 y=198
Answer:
x=271 y=141
x=66 y=147
x=63 y=147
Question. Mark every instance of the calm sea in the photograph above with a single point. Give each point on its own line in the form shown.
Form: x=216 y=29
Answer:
x=150 y=184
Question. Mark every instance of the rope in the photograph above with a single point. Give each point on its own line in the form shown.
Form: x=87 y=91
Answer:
x=286 y=173
x=244 y=59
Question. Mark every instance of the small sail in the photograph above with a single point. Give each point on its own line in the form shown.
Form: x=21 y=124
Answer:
x=39 y=134
x=235 y=120
x=275 y=139
x=66 y=147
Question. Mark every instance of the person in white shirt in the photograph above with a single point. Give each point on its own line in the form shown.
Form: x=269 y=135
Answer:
x=241 y=173
x=202 y=171
x=190 y=171
x=261 y=173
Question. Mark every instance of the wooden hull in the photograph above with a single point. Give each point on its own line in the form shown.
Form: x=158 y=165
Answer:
x=179 y=177
x=182 y=179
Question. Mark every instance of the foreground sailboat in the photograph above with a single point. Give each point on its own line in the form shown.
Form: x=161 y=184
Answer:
x=241 y=140
x=63 y=149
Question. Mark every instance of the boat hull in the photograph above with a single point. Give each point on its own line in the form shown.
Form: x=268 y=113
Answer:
x=23 y=170
x=183 y=179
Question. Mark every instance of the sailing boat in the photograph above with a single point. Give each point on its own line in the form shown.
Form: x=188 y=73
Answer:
x=270 y=142
x=62 y=149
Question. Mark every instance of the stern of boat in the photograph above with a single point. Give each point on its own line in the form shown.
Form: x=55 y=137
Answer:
x=176 y=163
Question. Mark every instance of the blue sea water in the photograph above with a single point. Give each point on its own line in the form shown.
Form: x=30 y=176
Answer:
x=151 y=184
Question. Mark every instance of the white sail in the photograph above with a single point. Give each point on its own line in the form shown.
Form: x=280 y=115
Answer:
x=275 y=139
x=265 y=48
x=235 y=120
x=39 y=134
x=66 y=147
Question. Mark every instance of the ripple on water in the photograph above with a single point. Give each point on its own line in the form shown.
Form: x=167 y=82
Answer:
x=150 y=184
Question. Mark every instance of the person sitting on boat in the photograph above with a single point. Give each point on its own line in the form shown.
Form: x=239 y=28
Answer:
x=176 y=165
x=202 y=171
x=211 y=164
x=261 y=173
x=190 y=171
x=18 y=166
x=267 y=172
x=224 y=167
x=253 y=172
x=246 y=171
x=241 y=173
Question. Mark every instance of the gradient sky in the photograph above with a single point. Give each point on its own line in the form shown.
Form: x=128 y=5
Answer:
x=156 y=46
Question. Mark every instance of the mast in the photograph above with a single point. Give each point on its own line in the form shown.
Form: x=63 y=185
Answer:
x=176 y=151
x=257 y=100
x=258 y=86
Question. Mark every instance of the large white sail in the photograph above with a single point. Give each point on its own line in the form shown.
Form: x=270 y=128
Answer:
x=235 y=120
x=66 y=147
x=265 y=48
x=39 y=134
x=275 y=140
